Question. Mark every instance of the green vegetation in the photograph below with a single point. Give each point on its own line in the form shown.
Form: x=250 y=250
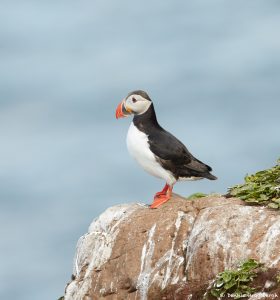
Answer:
x=261 y=188
x=61 y=298
x=196 y=196
x=236 y=283
x=202 y=195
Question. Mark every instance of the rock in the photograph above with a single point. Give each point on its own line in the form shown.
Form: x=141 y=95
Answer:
x=134 y=252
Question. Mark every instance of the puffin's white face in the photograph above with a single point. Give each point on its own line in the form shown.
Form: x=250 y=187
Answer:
x=137 y=104
x=133 y=104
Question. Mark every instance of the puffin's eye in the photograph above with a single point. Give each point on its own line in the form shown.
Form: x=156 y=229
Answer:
x=134 y=100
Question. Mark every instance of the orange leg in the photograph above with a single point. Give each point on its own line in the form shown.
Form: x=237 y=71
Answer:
x=162 y=196
x=163 y=192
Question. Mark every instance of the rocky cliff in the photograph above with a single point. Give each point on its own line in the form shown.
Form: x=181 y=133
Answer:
x=134 y=252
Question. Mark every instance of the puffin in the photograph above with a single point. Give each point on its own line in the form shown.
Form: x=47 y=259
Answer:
x=156 y=150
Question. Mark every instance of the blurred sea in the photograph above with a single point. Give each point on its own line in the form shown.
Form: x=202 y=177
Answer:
x=211 y=67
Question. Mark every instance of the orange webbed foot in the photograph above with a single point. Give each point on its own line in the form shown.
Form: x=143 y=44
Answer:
x=163 y=192
x=162 y=197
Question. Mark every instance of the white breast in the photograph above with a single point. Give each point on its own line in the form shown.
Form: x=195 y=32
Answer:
x=138 y=147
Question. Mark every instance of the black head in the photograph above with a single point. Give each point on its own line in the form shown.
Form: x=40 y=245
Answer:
x=141 y=93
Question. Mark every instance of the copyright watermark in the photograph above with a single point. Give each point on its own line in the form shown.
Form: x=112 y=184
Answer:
x=255 y=296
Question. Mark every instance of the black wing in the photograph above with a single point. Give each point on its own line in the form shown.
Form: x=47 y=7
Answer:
x=166 y=146
x=175 y=157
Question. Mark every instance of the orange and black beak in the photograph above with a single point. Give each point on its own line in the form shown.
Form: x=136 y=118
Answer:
x=122 y=111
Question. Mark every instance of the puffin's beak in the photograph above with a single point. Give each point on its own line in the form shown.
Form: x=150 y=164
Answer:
x=122 y=111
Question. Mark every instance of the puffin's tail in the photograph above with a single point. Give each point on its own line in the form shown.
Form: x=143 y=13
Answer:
x=210 y=176
x=197 y=168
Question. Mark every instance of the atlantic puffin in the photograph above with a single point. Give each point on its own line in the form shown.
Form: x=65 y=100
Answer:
x=156 y=150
